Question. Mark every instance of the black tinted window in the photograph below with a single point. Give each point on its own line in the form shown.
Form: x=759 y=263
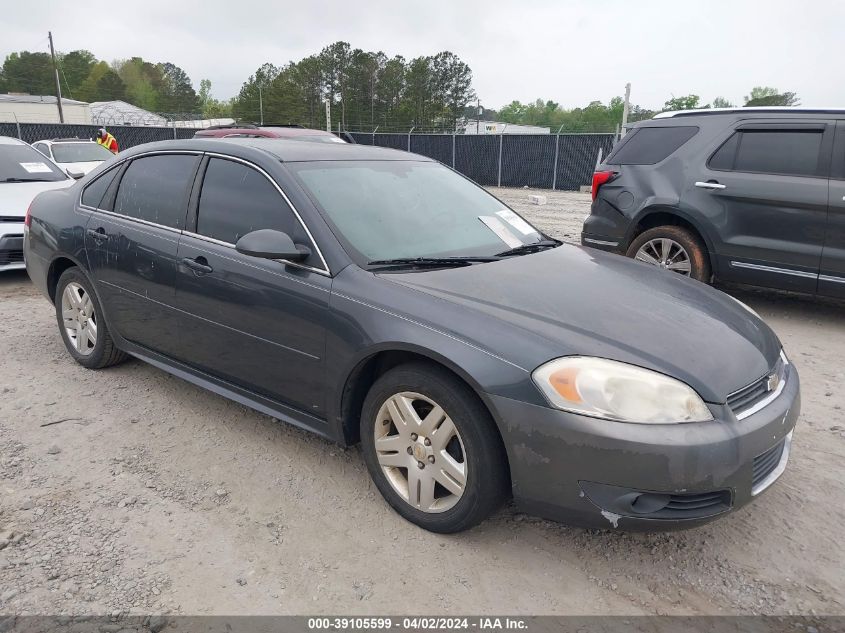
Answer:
x=779 y=152
x=155 y=189
x=237 y=200
x=23 y=163
x=725 y=155
x=650 y=145
x=93 y=194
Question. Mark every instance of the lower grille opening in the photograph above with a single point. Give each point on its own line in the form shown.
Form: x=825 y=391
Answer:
x=765 y=463
x=658 y=505
x=11 y=257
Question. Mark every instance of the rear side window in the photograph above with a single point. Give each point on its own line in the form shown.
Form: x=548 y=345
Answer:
x=93 y=194
x=155 y=189
x=236 y=200
x=650 y=145
x=784 y=152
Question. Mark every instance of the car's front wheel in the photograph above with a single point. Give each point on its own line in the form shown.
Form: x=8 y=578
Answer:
x=81 y=324
x=432 y=448
x=673 y=248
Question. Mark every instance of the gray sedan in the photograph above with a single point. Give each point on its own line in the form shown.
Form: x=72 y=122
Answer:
x=377 y=296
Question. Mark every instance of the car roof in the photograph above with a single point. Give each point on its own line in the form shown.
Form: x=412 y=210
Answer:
x=10 y=140
x=50 y=141
x=753 y=110
x=281 y=149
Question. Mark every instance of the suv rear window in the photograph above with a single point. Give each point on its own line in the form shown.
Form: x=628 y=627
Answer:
x=650 y=145
x=785 y=152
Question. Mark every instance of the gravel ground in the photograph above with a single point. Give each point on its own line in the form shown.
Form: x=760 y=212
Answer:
x=130 y=491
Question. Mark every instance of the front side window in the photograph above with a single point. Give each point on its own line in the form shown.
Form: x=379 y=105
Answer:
x=784 y=152
x=23 y=163
x=237 y=199
x=155 y=189
x=398 y=209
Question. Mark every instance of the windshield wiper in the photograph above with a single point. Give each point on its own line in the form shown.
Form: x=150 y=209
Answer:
x=27 y=180
x=525 y=249
x=431 y=262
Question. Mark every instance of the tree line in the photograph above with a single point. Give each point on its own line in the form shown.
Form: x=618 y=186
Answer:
x=158 y=87
x=366 y=90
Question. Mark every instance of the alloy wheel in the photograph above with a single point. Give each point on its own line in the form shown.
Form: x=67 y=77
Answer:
x=665 y=253
x=420 y=452
x=80 y=321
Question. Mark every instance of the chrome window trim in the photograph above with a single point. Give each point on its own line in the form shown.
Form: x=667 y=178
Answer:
x=778 y=471
x=774 y=269
x=831 y=278
x=325 y=270
x=590 y=240
x=762 y=404
x=287 y=262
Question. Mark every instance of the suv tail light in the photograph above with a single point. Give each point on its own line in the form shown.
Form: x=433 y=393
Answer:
x=600 y=178
x=28 y=220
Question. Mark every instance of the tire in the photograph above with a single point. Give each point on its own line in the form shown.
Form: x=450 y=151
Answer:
x=96 y=354
x=475 y=441
x=693 y=248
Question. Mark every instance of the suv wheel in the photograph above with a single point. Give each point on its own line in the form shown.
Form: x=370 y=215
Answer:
x=672 y=248
x=432 y=449
x=81 y=325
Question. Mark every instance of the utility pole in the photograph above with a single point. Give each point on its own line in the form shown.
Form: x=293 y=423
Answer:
x=478 y=112
x=625 y=109
x=328 y=115
x=260 y=104
x=56 y=73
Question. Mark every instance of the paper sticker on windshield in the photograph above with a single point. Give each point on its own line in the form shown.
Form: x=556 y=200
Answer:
x=516 y=222
x=495 y=224
x=36 y=168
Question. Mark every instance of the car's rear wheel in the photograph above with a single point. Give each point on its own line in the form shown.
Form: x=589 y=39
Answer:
x=672 y=248
x=81 y=325
x=432 y=448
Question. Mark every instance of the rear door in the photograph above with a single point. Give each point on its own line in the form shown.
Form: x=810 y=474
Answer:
x=832 y=273
x=765 y=191
x=253 y=322
x=132 y=247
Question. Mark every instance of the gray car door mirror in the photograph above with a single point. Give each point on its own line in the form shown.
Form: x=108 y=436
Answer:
x=271 y=244
x=76 y=175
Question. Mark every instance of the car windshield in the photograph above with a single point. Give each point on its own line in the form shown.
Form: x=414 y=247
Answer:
x=23 y=163
x=385 y=210
x=80 y=152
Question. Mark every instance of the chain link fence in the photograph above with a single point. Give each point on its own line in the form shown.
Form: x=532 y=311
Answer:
x=127 y=136
x=541 y=161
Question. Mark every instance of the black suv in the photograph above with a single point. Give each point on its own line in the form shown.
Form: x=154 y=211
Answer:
x=749 y=195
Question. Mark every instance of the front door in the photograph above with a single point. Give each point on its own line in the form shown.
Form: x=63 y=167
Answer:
x=765 y=191
x=132 y=248
x=253 y=322
x=832 y=273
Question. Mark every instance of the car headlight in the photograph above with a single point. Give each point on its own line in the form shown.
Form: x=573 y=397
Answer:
x=618 y=391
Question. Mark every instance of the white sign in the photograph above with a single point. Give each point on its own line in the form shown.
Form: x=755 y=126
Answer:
x=495 y=224
x=516 y=222
x=36 y=168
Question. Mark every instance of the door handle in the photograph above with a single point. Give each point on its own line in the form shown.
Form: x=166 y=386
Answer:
x=99 y=234
x=710 y=184
x=200 y=264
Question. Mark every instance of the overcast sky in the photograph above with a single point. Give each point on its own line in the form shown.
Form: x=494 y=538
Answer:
x=569 y=51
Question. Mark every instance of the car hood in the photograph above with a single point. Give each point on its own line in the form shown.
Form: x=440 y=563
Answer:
x=575 y=301
x=16 y=196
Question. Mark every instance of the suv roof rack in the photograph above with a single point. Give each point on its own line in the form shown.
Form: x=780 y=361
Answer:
x=296 y=125
x=68 y=138
x=233 y=126
x=773 y=109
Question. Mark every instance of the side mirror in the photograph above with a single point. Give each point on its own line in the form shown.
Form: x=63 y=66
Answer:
x=76 y=175
x=271 y=244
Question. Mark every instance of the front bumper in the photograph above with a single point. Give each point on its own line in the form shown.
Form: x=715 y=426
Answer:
x=583 y=471
x=11 y=246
